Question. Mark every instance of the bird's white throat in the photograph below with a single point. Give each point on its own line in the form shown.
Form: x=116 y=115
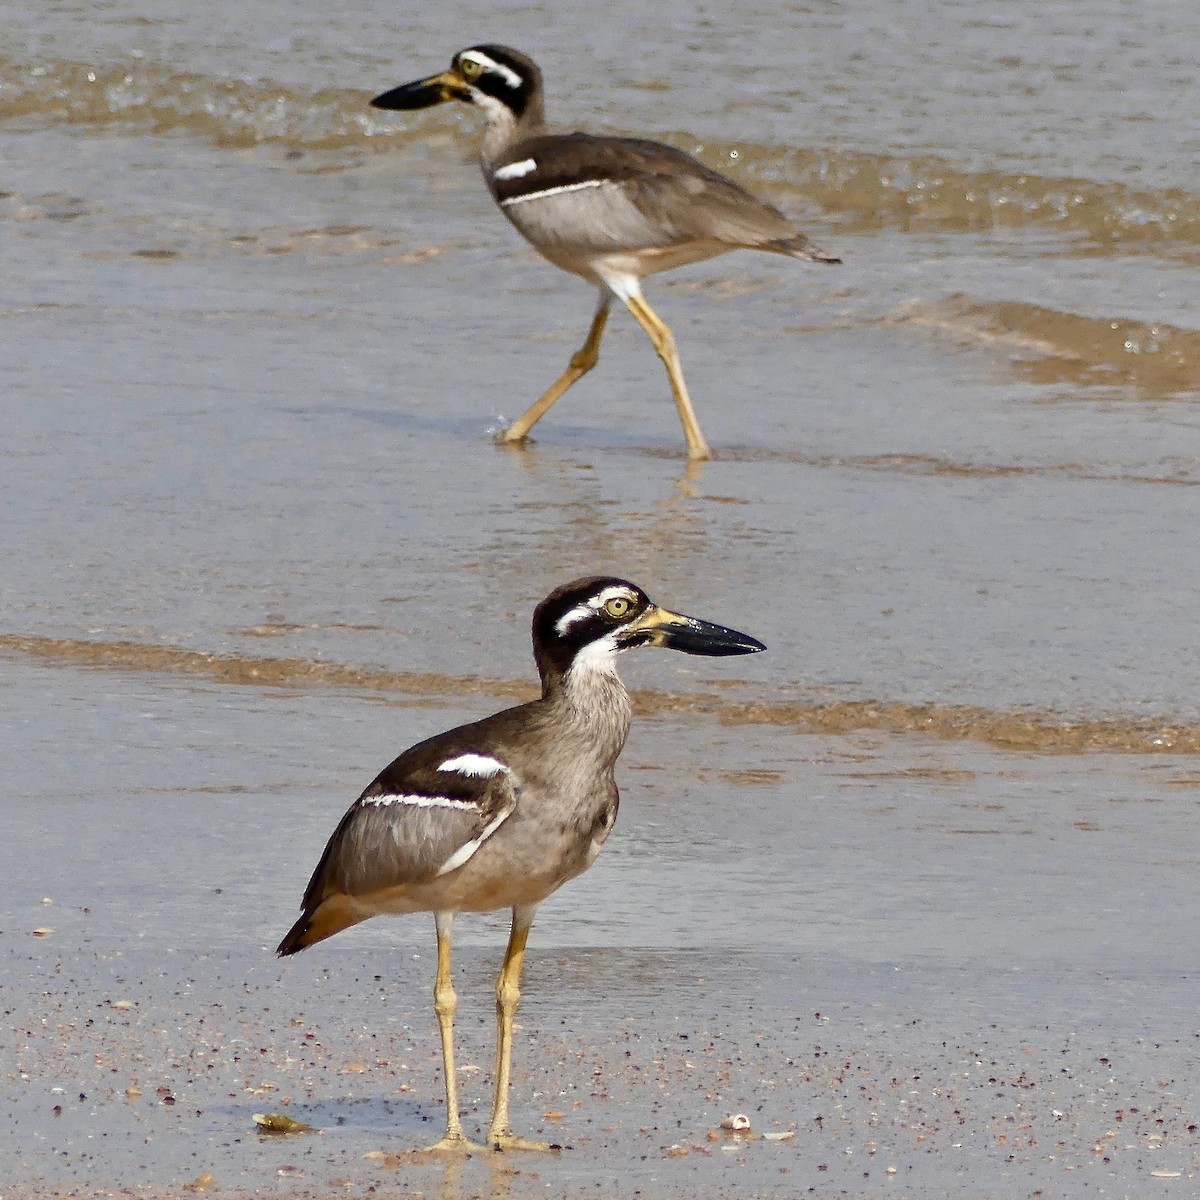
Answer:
x=594 y=690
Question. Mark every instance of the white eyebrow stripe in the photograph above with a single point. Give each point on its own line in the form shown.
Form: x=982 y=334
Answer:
x=506 y=73
x=423 y=802
x=478 y=765
x=516 y=169
x=579 y=613
x=554 y=191
x=592 y=606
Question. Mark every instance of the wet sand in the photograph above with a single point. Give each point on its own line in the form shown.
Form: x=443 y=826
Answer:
x=941 y=966
x=929 y=1080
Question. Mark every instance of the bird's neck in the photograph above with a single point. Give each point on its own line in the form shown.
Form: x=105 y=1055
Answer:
x=590 y=696
x=505 y=129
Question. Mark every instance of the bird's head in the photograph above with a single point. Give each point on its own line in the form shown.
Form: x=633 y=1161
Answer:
x=499 y=80
x=589 y=622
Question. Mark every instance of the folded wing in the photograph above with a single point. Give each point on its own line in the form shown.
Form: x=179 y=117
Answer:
x=424 y=816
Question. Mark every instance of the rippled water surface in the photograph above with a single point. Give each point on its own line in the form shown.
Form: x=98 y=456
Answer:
x=256 y=337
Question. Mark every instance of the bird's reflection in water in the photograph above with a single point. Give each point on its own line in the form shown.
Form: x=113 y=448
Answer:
x=452 y=1186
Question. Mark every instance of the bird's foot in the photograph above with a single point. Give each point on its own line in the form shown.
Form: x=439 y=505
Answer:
x=455 y=1142
x=510 y=1141
x=512 y=437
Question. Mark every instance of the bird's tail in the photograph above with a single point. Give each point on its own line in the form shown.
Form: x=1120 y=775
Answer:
x=821 y=256
x=294 y=941
x=800 y=247
x=331 y=916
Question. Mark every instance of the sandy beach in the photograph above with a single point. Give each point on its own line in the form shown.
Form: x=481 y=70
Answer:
x=912 y=991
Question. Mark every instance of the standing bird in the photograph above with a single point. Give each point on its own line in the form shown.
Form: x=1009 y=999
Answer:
x=609 y=209
x=502 y=812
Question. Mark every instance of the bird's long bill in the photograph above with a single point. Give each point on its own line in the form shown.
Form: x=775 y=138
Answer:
x=423 y=93
x=661 y=627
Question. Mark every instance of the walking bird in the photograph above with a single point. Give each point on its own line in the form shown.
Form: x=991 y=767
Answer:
x=611 y=210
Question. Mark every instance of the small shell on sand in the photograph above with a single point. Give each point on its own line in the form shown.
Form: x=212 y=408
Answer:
x=278 y=1123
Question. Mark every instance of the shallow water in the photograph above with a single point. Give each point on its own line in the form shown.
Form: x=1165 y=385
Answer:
x=257 y=539
x=958 y=963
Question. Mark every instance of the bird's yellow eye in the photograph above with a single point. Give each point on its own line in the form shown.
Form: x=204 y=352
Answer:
x=470 y=68
x=618 y=606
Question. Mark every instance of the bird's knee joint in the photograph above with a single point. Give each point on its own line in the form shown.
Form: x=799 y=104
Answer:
x=445 y=1003
x=665 y=348
x=508 y=996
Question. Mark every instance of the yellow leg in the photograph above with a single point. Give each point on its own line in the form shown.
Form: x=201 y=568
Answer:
x=664 y=344
x=445 y=1004
x=508 y=996
x=582 y=361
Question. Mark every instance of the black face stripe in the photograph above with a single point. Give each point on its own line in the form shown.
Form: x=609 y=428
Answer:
x=560 y=646
x=498 y=81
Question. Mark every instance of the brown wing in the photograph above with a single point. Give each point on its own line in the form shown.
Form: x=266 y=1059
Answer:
x=392 y=839
x=424 y=815
x=672 y=198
